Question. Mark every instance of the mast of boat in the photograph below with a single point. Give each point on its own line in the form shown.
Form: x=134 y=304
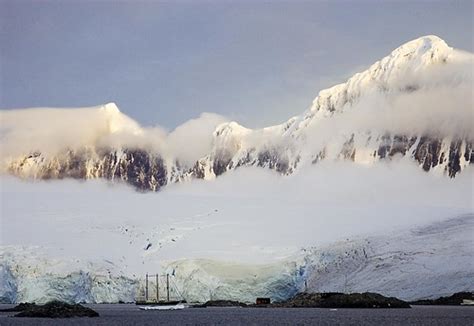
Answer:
x=146 y=287
x=157 y=287
x=167 y=287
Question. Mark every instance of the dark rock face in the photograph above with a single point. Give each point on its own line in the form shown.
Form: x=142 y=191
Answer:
x=341 y=300
x=427 y=151
x=146 y=170
x=273 y=160
x=221 y=162
x=454 y=300
x=198 y=170
x=54 y=309
x=142 y=169
x=454 y=158
x=391 y=146
x=222 y=303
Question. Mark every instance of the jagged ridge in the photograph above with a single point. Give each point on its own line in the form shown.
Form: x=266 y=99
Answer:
x=283 y=147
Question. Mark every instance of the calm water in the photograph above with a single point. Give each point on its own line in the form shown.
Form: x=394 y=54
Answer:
x=130 y=315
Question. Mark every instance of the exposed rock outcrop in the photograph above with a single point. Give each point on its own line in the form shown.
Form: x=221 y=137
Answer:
x=453 y=300
x=342 y=300
x=54 y=309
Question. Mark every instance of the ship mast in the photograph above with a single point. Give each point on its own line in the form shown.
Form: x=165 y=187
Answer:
x=146 y=287
x=157 y=288
x=168 y=287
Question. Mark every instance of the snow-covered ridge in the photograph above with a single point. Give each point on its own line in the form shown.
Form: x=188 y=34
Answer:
x=410 y=58
x=388 y=74
x=416 y=102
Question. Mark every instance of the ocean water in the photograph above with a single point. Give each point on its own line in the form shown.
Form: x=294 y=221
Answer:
x=125 y=314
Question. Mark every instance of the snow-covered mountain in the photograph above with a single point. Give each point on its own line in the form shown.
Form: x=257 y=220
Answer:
x=416 y=102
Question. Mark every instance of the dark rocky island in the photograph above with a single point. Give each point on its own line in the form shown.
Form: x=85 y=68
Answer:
x=341 y=300
x=454 y=300
x=221 y=303
x=53 y=309
x=321 y=300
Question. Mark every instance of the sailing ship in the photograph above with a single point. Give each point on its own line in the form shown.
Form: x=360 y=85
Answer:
x=159 y=302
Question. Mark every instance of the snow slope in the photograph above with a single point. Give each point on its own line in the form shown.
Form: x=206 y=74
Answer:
x=423 y=262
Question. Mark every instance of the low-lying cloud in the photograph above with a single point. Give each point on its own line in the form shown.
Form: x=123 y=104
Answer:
x=51 y=131
x=246 y=215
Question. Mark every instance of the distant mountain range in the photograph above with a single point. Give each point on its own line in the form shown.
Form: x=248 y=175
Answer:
x=379 y=114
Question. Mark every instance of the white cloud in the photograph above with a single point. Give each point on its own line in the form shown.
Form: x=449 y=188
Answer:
x=50 y=131
x=250 y=215
x=193 y=139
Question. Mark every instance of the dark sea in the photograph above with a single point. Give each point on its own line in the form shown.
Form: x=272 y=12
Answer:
x=125 y=314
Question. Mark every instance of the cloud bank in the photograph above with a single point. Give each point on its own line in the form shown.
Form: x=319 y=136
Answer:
x=249 y=215
x=50 y=131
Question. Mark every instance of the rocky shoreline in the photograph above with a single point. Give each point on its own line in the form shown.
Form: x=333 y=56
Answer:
x=322 y=300
x=345 y=300
x=453 y=300
x=342 y=300
x=221 y=303
x=53 y=309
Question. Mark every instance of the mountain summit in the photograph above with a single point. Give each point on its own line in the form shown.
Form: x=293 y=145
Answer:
x=415 y=103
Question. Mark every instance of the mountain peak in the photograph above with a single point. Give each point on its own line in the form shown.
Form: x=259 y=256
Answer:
x=423 y=50
x=390 y=73
x=426 y=43
x=111 y=107
x=117 y=121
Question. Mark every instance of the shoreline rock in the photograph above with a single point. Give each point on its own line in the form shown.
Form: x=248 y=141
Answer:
x=453 y=300
x=341 y=300
x=53 y=309
x=221 y=303
x=321 y=300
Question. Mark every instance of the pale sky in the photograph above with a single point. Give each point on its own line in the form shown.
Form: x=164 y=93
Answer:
x=166 y=62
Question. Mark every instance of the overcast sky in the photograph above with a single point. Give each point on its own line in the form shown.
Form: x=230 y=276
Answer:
x=164 y=63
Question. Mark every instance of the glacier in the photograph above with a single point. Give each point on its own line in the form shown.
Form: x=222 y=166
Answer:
x=28 y=275
x=423 y=262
